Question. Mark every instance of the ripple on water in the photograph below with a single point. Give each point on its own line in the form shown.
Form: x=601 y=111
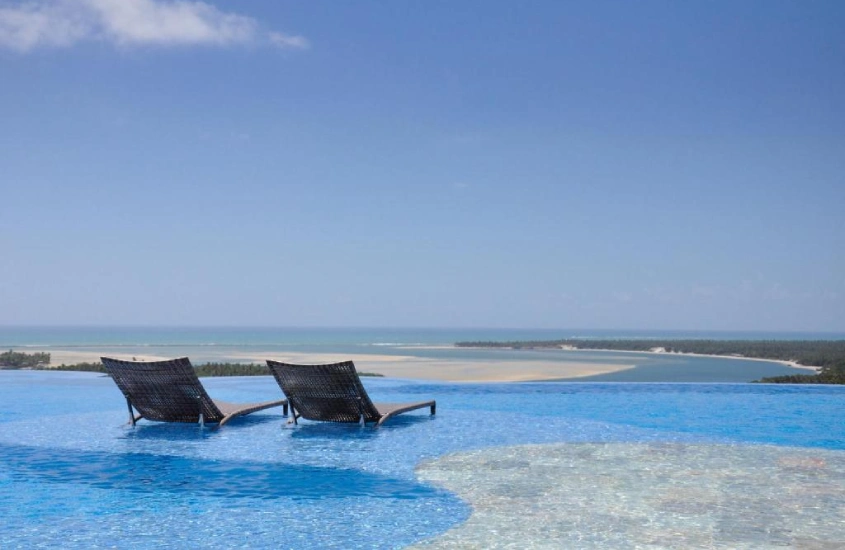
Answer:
x=645 y=496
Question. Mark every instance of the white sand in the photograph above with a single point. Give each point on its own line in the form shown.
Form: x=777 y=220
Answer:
x=71 y=357
x=792 y=364
x=403 y=366
x=394 y=366
x=408 y=366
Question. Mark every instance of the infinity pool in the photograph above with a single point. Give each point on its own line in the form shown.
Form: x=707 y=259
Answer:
x=73 y=473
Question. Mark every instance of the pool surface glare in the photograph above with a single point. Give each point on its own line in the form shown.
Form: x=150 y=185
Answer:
x=500 y=465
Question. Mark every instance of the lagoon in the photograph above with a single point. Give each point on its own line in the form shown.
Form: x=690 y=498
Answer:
x=404 y=353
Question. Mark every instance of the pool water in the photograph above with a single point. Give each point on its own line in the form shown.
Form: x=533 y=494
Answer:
x=74 y=474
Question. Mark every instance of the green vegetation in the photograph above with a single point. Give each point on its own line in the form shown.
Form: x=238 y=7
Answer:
x=207 y=369
x=828 y=355
x=232 y=369
x=17 y=360
x=86 y=367
x=825 y=376
x=241 y=369
x=41 y=361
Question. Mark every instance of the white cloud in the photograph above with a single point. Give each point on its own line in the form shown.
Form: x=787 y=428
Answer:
x=39 y=24
x=62 y=23
x=288 y=42
x=151 y=22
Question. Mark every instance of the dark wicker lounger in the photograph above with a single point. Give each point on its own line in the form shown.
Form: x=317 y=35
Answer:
x=334 y=393
x=169 y=391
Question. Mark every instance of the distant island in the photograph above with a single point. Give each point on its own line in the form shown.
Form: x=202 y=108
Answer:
x=828 y=356
x=41 y=361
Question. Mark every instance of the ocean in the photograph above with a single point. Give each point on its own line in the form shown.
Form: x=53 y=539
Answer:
x=435 y=345
x=308 y=337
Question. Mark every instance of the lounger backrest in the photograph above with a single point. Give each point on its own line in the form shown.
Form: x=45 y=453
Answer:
x=332 y=392
x=167 y=391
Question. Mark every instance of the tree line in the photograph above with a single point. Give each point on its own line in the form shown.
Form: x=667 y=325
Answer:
x=41 y=361
x=18 y=360
x=828 y=355
x=205 y=369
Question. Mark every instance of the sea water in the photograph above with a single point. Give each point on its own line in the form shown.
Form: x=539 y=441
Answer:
x=254 y=344
x=13 y=336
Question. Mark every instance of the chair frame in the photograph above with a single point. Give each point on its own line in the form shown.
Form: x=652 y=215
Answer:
x=170 y=391
x=333 y=392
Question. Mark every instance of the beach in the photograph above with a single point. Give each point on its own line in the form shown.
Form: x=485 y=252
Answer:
x=393 y=366
x=406 y=362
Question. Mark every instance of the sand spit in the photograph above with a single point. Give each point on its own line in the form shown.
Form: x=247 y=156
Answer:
x=394 y=366
x=661 y=351
x=404 y=364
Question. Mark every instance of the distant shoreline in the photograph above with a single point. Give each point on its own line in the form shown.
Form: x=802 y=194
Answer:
x=787 y=363
x=822 y=360
x=402 y=362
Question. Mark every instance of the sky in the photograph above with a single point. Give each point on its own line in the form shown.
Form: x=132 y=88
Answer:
x=542 y=164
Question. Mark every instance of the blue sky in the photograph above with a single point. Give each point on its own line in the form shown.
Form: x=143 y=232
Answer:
x=646 y=165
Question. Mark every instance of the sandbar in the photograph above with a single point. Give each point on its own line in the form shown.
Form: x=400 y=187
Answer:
x=402 y=363
x=393 y=366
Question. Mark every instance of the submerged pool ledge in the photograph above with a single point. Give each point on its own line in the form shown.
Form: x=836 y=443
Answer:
x=634 y=495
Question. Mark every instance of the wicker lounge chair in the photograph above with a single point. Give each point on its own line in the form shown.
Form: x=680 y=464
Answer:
x=334 y=393
x=169 y=391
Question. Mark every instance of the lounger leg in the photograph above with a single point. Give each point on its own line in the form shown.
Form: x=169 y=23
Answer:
x=433 y=408
x=292 y=416
x=131 y=414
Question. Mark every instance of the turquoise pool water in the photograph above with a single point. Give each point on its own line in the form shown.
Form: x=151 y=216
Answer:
x=74 y=475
